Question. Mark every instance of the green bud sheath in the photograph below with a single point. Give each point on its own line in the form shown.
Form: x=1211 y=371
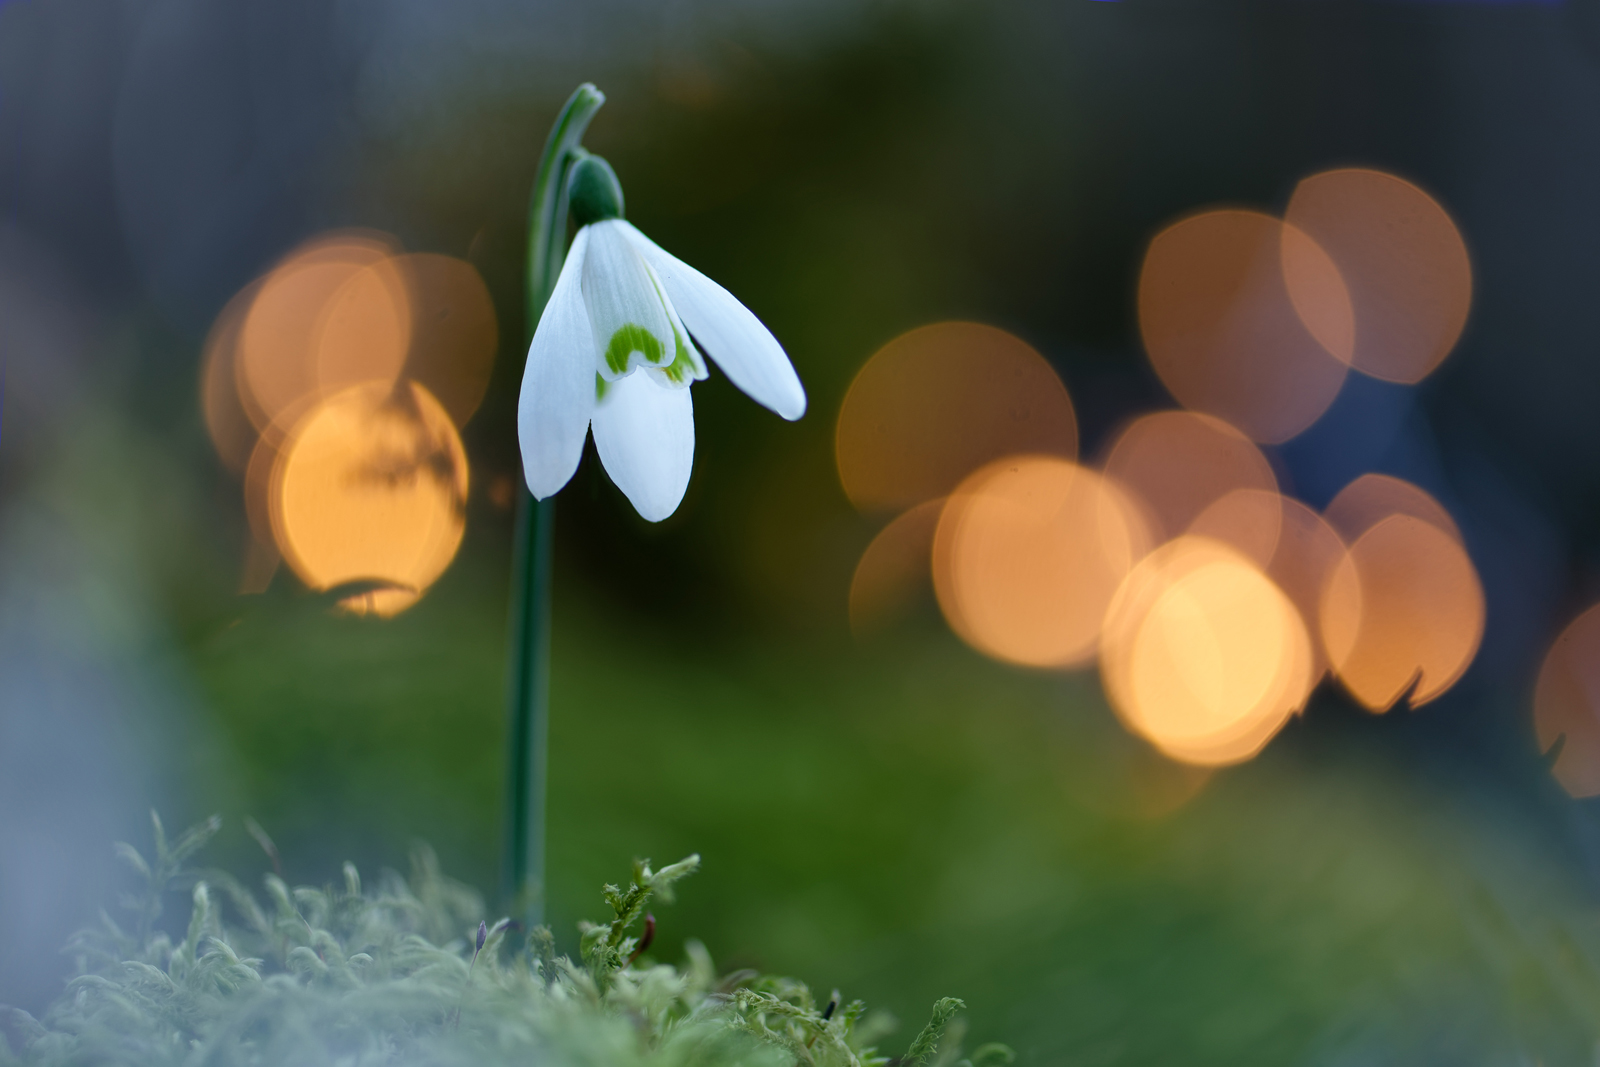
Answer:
x=595 y=193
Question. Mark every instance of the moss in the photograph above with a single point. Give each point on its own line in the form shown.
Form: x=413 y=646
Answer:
x=410 y=971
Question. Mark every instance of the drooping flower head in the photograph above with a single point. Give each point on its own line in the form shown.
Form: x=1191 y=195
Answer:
x=618 y=346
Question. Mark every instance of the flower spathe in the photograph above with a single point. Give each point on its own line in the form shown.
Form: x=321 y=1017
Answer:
x=613 y=351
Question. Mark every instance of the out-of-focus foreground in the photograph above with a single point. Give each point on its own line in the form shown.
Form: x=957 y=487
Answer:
x=1169 y=629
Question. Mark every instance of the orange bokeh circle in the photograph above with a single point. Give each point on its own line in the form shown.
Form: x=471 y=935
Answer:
x=1371 y=498
x=1566 y=705
x=1296 y=548
x=1247 y=319
x=370 y=485
x=334 y=313
x=1177 y=463
x=937 y=403
x=1402 y=260
x=1308 y=553
x=1249 y=520
x=1203 y=655
x=1403 y=610
x=1028 y=553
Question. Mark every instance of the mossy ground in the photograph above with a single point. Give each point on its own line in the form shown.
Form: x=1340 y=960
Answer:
x=352 y=974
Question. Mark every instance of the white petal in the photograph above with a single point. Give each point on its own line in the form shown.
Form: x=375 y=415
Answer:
x=558 y=382
x=627 y=308
x=644 y=433
x=745 y=349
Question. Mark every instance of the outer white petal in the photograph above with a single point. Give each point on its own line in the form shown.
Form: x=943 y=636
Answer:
x=627 y=309
x=558 y=383
x=745 y=349
x=644 y=432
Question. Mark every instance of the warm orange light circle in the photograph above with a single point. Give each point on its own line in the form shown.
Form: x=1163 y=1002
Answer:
x=1249 y=520
x=364 y=329
x=453 y=331
x=1402 y=260
x=1566 y=705
x=1176 y=463
x=894 y=568
x=371 y=484
x=1318 y=294
x=1289 y=541
x=258 y=494
x=282 y=357
x=1371 y=498
x=935 y=404
x=1308 y=552
x=1404 y=606
x=1203 y=655
x=1230 y=336
x=1028 y=553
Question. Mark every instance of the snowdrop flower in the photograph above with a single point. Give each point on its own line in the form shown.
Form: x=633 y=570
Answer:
x=613 y=350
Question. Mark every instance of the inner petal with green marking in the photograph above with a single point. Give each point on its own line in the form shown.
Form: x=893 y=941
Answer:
x=631 y=338
x=628 y=314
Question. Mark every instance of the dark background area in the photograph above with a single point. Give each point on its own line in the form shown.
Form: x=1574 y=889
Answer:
x=897 y=816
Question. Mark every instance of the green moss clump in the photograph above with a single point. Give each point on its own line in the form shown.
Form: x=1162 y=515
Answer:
x=409 y=972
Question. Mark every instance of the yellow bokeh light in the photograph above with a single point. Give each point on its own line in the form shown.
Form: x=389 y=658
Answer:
x=1566 y=705
x=1177 y=463
x=1242 y=316
x=1296 y=548
x=307 y=330
x=937 y=403
x=1203 y=655
x=371 y=486
x=364 y=330
x=342 y=361
x=1403 y=262
x=1307 y=554
x=1403 y=610
x=1028 y=553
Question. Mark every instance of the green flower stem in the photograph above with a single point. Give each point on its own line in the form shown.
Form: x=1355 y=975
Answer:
x=528 y=705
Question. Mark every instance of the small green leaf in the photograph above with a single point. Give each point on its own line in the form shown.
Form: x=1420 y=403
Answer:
x=193 y=840
x=926 y=1044
x=130 y=855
